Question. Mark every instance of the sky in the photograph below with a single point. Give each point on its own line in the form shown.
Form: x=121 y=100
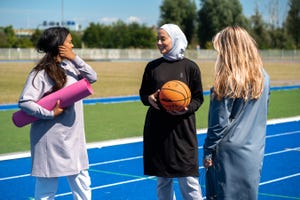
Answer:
x=28 y=14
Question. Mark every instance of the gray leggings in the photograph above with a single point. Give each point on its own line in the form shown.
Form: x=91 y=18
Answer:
x=45 y=188
x=189 y=188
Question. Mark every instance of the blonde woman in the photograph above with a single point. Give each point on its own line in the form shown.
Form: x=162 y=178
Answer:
x=234 y=146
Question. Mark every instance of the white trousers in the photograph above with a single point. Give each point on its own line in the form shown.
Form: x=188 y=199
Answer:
x=45 y=188
x=189 y=187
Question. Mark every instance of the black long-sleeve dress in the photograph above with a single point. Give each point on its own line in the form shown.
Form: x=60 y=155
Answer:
x=170 y=142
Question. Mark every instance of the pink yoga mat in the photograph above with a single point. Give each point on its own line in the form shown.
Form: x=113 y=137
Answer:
x=67 y=96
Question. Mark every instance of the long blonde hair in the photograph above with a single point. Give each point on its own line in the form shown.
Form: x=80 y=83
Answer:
x=239 y=68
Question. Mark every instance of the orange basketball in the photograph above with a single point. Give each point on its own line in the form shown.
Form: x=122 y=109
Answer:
x=174 y=95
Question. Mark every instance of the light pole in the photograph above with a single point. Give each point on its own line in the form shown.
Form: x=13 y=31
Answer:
x=62 y=13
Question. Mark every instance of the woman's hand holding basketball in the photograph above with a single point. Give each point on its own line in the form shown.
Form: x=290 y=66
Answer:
x=153 y=99
x=175 y=96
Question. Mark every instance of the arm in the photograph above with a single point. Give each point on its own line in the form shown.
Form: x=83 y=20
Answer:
x=35 y=88
x=145 y=89
x=196 y=90
x=195 y=85
x=85 y=70
x=218 y=124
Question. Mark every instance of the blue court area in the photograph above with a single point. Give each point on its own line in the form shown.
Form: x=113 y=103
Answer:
x=116 y=170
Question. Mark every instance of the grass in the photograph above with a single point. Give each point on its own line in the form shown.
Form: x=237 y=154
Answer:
x=122 y=120
x=124 y=78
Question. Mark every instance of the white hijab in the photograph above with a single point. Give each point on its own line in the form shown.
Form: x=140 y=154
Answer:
x=179 y=42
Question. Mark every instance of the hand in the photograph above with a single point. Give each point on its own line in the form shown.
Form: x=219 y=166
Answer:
x=207 y=163
x=153 y=99
x=65 y=52
x=181 y=112
x=57 y=110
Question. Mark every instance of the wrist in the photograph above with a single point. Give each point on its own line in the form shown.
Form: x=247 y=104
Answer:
x=72 y=56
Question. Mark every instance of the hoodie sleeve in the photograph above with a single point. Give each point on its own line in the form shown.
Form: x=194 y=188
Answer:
x=218 y=123
x=36 y=86
x=85 y=70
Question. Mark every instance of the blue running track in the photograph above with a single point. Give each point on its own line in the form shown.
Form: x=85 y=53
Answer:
x=116 y=169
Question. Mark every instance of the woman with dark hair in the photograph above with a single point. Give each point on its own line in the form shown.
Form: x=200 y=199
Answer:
x=57 y=140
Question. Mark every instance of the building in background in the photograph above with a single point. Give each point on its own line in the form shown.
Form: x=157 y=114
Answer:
x=23 y=33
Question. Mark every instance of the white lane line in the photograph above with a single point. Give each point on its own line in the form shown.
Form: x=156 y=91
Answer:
x=279 y=179
x=283 y=134
x=111 y=185
x=283 y=151
x=13 y=177
x=17 y=155
x=140 y=157
x=115 y=161
x=152 y=177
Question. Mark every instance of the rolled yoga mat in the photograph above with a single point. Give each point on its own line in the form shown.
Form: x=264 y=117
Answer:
x=67 y=96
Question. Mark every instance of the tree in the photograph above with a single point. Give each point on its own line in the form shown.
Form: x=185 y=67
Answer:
x=35 y=36
x=180 y=12
x=8 y=37
x=259 y=31
x=95 y=35
x=76 y=39
x=23 y=43
x=215 y=15
x=280 y=39
x=3 y=40
x=119 y=31
x=119 y=35
x=141 y=36
x=293 y=22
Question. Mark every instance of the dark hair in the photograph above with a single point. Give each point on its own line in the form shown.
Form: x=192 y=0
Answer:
x=49 y=43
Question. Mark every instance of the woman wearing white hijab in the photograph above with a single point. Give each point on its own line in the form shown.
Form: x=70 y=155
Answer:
x=170 y=142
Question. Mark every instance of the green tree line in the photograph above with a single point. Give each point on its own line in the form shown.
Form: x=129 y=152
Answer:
x=199 y=26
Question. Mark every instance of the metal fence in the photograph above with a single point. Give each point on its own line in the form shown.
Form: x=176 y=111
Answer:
x=19 y=54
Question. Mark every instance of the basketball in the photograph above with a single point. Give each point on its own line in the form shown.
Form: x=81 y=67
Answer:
x=174 y=95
